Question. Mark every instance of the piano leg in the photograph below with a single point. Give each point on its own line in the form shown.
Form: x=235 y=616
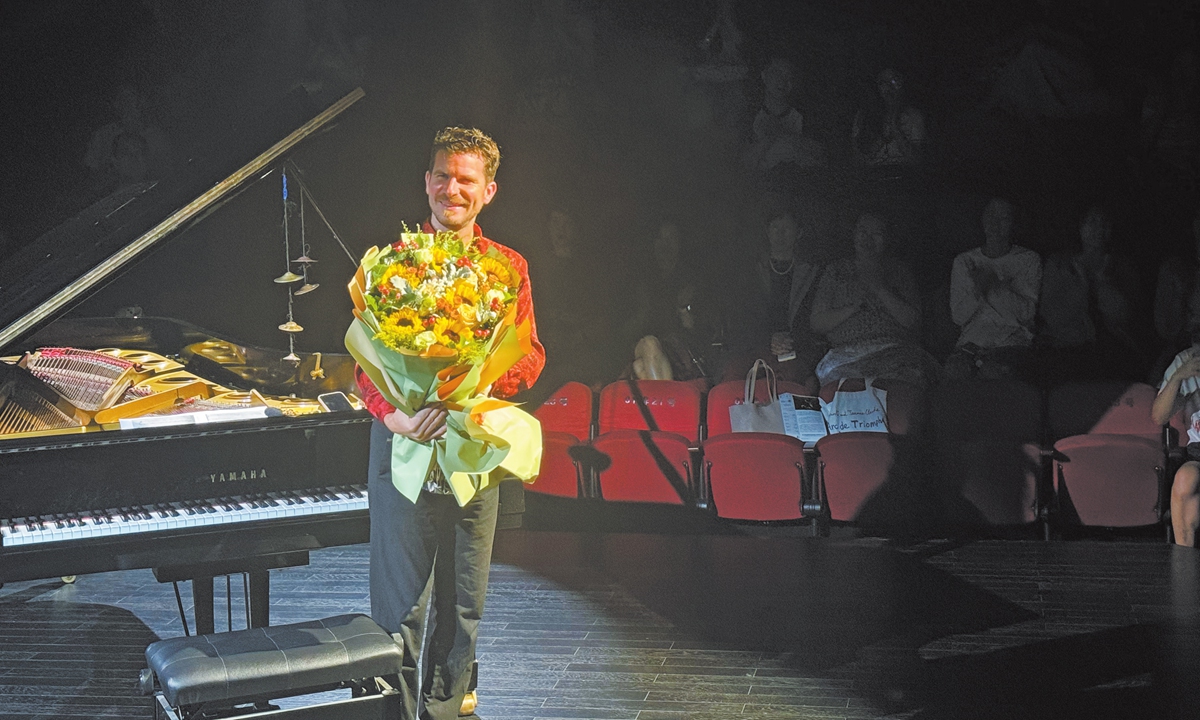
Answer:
x=258 y=570
x=202 y=604
x=260 y=598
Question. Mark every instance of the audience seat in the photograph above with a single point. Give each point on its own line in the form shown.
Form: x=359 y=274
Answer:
x=726 y=394
x=1109 y=458
x=853 y=466
x=987 y=434
x=754 y=476
x=655 y=405
x=566 y=418
x=750 y=476
x=648 y=432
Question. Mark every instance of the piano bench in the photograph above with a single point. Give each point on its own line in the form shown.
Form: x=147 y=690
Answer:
x=237 y=674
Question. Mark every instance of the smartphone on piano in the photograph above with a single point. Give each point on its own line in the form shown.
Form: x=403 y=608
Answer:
x=335 y=402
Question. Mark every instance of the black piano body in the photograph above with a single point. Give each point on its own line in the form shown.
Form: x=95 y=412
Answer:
x=191 y=501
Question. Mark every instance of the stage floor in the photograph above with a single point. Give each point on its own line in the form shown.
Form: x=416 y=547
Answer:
x=651 y=627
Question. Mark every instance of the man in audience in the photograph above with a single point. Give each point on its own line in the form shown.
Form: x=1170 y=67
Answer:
x=1088 y=304
x=993 y=298
x=1177 y=295
x=1181 y=391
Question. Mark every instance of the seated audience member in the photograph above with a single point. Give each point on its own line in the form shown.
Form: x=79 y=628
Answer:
x=793 y=280
x=993 y=299
x=669 y=305
x=576 y=326
x=650 y=361
x=889 y=130
x=1177 y=296
x=778 y=130
x=868 y=309
x=1180 y=390
x=1087 y=309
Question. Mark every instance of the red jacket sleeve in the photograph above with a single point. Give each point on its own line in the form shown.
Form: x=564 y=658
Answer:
x=525 y=373
x=371 y=396
x=519 y=377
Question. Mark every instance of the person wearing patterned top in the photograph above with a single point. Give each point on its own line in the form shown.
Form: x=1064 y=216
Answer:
x=1180 y=391
x=868 y=309
x=408 y=539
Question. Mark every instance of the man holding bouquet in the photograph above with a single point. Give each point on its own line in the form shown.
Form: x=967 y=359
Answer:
x=442 y=526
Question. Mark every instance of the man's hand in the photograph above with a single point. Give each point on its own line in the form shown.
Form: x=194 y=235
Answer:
x=984 y=279
x=426 y=424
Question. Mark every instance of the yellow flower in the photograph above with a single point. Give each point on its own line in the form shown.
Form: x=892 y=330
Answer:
x=497 y=271
x=399 y=328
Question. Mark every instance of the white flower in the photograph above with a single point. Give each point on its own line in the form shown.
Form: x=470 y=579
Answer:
x=400 y=284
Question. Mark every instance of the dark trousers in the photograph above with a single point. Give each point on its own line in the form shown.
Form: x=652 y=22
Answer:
x=407 y=540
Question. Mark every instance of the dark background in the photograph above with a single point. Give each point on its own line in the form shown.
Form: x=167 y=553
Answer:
x=599 y=115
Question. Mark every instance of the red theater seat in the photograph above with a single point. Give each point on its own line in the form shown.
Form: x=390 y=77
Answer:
x=754 y=476
x=566 y=418
x=1115 y=408
x=853 y=466
x=722 y=396
x=1109 y=460
x=568 y=410
x=658 y=405
x=644 y=466
x=648 y=429
x=1109 y=480
x=987 y=438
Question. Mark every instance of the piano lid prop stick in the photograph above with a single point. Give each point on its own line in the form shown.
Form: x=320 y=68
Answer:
x=152 y=403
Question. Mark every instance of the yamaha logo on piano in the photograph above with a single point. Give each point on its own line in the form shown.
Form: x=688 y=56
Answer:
x=237 y=476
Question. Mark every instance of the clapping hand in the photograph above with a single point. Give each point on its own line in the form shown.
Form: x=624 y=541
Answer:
x=1189 y=369
x=983 y=278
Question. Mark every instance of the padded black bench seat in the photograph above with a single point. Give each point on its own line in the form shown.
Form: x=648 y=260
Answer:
x=260 y=664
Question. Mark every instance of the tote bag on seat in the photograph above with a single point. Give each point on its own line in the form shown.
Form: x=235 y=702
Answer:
x=856 y=411
x=758 y=417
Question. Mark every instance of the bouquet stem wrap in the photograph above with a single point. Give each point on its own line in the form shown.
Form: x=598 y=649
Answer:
x=486 y=438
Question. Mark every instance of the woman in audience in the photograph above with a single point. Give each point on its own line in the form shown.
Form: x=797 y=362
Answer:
x=868 y=309
x=889 y=130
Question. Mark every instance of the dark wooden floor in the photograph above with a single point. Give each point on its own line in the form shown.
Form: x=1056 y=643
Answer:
x=657 y=627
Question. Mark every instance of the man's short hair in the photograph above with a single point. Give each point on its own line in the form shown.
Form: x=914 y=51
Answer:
x=458 y=140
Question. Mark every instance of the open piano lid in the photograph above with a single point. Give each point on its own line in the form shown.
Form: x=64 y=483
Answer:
x=58 y=270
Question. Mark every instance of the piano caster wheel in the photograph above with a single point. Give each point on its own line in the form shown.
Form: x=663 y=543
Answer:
x=68 y=579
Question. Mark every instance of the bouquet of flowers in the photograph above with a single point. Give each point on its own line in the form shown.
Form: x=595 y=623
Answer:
x=435 y=322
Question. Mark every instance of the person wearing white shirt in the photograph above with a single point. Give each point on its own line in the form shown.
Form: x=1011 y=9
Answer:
x=993 y=299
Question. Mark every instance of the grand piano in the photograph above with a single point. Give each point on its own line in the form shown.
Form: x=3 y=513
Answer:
x=137 y=441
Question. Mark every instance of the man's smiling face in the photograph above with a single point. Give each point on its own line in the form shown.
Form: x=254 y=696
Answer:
x=458 y=189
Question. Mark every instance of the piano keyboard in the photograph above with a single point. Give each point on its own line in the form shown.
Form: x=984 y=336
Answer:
x=191 y=514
